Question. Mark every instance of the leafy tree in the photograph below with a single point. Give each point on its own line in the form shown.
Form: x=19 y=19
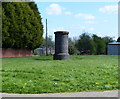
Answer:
x=85 y=43
x=22 y=27
x=93 y=49
x=94 y=44
x=99 y=44
x=71 y=47
x=118 y=40
x=50 y=42
x=107 y=40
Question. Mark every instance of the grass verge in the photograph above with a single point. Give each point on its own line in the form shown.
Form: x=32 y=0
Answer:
x=41 y=74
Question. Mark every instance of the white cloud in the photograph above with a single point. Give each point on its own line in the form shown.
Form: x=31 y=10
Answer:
x=91 y=29
x=90 y=22
x=68 y=13
x=105 y=21
x=84 y=16
x=54 y=9
x=109 y=9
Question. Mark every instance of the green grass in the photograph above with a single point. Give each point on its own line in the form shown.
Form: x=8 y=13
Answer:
x=41 y=74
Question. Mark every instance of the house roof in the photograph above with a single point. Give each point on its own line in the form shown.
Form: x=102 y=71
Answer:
x=114 y=43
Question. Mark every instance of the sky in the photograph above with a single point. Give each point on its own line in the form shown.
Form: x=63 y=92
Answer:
x=100 y=18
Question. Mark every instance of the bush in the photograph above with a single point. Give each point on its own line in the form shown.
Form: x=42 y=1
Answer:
x=78 y=53
x=36 y=52
x=71 y=50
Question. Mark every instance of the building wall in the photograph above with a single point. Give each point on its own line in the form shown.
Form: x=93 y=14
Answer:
x=114 y=49
x=15 y=52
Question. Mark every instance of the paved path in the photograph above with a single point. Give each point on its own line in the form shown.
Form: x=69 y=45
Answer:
x=113 y=93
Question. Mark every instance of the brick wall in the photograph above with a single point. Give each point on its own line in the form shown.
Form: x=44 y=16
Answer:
x=15 y=52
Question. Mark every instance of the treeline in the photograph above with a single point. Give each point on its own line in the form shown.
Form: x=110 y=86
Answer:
x=21 y=25
x=87 y=44
x=84 y=44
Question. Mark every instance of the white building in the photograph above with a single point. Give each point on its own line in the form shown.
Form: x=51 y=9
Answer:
x=113 y=48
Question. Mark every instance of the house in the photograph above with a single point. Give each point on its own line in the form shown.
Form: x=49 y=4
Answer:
x=113 y=48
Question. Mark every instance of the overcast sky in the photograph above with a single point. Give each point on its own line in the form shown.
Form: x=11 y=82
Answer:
x=99 y=18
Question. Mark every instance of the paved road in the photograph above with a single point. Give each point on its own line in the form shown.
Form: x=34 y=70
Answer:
x=113 y=93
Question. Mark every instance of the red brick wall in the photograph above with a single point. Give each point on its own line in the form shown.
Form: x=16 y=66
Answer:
x=15 y=52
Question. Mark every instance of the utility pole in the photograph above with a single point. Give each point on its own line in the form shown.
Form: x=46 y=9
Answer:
x=46 y=40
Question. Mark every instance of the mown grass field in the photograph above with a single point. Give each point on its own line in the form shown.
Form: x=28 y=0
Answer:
x=41 y=74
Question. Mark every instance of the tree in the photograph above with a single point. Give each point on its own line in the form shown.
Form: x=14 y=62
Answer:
x=50 y=43
x=107 y=40
x=71 y=46
x=22 y=27
x=93 y=49
x=85 y=43
x=93 y=44
x=99 y=44
x=118 y=40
